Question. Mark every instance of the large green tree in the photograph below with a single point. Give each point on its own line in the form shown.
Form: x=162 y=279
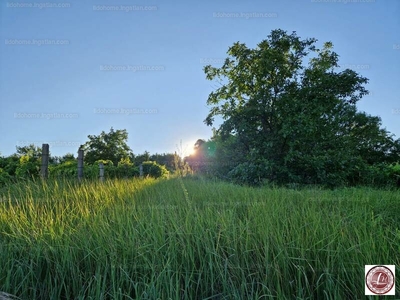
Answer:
x=107 y=146
x=292 y=113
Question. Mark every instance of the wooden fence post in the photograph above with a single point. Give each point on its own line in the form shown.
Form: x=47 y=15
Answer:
x=80 y=164
x=141 y=170
x=101 y=168
x=44 y=169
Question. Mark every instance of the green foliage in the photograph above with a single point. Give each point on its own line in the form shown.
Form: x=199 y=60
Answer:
x=31 y=151
x=293 y=122
x=382 y=175
x=107 y=146
x=67 y=169
x=65 y=158
x=125 y=161
x=395 y=170
x=127 y=171
x=170 y=160
x=138 y=159
x=28 y=168
x=124 y=169
x=5 y=178
x=153 y=169
x=105 y=162
x=249 y=173
x=120 y=171
x=9 y=164
x=92 y=172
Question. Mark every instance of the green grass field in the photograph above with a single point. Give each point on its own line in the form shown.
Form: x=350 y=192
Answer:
x=192 y=238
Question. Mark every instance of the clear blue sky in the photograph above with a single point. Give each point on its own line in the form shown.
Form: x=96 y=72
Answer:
x=173 y=41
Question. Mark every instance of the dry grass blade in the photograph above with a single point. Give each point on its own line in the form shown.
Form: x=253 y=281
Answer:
x=6 y=296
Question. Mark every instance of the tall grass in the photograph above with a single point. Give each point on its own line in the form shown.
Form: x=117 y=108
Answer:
x=192 y=239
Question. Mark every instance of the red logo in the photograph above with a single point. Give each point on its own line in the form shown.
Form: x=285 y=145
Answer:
x=380 y=280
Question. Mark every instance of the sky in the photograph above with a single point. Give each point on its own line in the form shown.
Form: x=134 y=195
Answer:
x=69 y=69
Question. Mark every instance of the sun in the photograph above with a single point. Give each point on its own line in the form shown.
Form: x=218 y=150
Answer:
x=186 y=149
x=190 y=148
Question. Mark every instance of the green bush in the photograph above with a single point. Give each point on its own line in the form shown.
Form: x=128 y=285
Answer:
x=248 y=173
x=127 y=171
x=28 y=168
x=153 y=169
x=5 y=178
x=9 y=164
x=377 y=175
x=67 y=169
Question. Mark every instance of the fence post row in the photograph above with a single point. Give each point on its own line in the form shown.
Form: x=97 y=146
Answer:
x=44 y=169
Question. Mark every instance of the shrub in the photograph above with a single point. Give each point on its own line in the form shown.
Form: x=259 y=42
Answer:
x=5 y=178
x=29 y=167
x=67 y=169
x=153 y=169
x=379 y=175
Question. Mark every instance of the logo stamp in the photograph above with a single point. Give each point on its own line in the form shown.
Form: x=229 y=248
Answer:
x=379 y=280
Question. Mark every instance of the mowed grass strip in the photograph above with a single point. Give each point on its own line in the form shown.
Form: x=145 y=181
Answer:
x=192 y=238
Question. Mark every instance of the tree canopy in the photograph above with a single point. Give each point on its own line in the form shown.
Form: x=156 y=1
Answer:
x=107 y=146
x=291 y=114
